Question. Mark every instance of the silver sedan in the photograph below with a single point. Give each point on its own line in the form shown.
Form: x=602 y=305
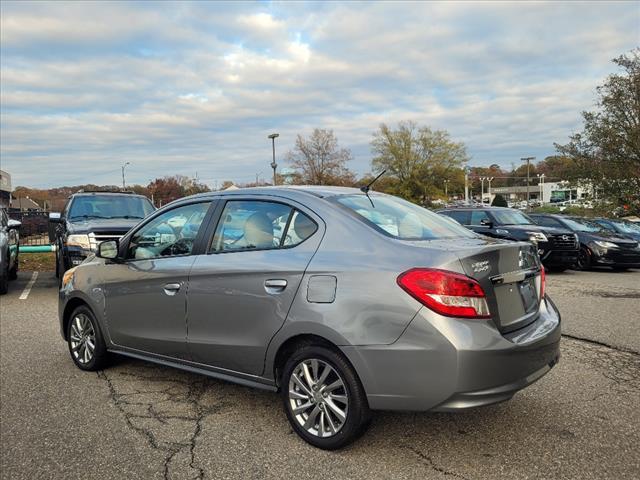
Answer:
x=343 y=301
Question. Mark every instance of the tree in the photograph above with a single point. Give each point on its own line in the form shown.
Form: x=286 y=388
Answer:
x=418 y=157
x=320 y=161
x=606 y=154
x=499 y=201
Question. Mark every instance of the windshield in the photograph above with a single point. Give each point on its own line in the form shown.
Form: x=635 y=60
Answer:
x=511 y=217
x=579 y=225
x=401 y=219
x=627 y=227
x=110 y=206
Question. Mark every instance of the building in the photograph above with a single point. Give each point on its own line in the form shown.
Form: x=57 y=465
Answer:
x=551 y=192
x=25 y=205
x=5 y=189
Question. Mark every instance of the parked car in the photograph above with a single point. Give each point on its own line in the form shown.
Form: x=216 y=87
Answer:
x=9 y=250
x=621 y=227
x=361 y=302
x=557 y=247
x=597 y=245
x=89 y=218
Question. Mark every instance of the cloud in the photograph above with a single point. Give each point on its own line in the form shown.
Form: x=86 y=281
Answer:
x=186 y=87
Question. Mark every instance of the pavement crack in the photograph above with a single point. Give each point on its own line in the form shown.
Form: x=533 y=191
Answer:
x=602 y=344
x=431 y=464
x=170 y=419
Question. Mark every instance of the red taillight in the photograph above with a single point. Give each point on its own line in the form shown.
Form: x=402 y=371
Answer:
x=543 y=280
x=447 y=293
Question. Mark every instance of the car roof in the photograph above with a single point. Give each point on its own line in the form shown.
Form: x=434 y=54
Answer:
x=479 y=207
x=93 y=193
x=286 y=190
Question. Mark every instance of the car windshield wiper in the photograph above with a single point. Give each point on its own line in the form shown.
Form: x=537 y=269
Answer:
x=86 y=216
x=125 y=216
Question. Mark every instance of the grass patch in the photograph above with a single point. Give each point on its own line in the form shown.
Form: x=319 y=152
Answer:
x=41 y=262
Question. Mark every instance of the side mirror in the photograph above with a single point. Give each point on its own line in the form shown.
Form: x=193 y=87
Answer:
x=108 y=250
x=54 y=217
x=13 y=224
x=485 y=222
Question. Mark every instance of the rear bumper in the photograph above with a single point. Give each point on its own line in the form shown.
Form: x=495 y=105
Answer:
x=450 y=364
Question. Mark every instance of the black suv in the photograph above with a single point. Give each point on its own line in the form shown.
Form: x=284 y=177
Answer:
x=597 y=245
x=557 y=247
x=89 y=218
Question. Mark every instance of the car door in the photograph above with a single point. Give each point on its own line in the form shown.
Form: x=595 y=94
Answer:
x=241 y=291
x=145 y=294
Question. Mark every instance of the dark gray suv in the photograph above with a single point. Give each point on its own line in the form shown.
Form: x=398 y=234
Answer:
x=342 y=301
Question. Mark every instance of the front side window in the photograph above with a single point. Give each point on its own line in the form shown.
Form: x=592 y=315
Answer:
x=260 y=225
x=171 y=234
x=477 y=216
x=109 y=206
x=401 y=219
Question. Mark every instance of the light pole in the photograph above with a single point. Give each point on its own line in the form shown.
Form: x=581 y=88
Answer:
x=482 y=179
x=274 y=165
x=446 y=191
x=489 y=179
x=528 y=160
x=257 y=177
x=123 y=167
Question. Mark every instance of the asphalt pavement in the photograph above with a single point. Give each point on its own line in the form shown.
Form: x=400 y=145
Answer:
x=141 y=421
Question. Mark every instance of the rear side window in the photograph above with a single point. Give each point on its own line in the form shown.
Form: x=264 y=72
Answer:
x=401 y=219
x=260 y=225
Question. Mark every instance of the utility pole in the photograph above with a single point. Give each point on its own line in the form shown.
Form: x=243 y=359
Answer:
x=274 y=165
x=466 y=185
x=123 y=167
x=528 y=160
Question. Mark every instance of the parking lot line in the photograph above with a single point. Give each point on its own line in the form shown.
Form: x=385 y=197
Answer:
x=27 y=289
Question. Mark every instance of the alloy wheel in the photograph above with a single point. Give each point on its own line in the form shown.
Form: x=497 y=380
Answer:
x=82 y=339
x=318 y=398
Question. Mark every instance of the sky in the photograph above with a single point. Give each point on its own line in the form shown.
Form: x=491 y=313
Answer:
x=195 y=88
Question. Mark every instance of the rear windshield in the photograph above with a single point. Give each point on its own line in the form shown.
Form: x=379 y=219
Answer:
x=401 y=219
x=110 y=206
x=511 y=217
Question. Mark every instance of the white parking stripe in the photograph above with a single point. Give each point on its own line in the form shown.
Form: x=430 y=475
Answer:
x=27 y=289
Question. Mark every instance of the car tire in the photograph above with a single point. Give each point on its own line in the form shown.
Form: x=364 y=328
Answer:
x=4 y=280
x=584 y=259
x=13 y=273
x=323 y=398
x=82 y=332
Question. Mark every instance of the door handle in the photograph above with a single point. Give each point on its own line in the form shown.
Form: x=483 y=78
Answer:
x=172 y=288
x=275 y=285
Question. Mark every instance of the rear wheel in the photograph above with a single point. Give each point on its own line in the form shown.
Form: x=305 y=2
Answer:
x=86 y=345
x=13 y=273
x=323 y=398
x=4 y=279
x=584 y=259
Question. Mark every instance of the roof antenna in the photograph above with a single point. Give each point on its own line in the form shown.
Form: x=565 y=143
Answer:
x=365 y=188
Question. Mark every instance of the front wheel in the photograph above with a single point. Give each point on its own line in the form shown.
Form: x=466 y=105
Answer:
x=86 y=344
x=323 y=398
x=584 y=259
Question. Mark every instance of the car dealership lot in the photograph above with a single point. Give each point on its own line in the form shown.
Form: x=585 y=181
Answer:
x=137 y=420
